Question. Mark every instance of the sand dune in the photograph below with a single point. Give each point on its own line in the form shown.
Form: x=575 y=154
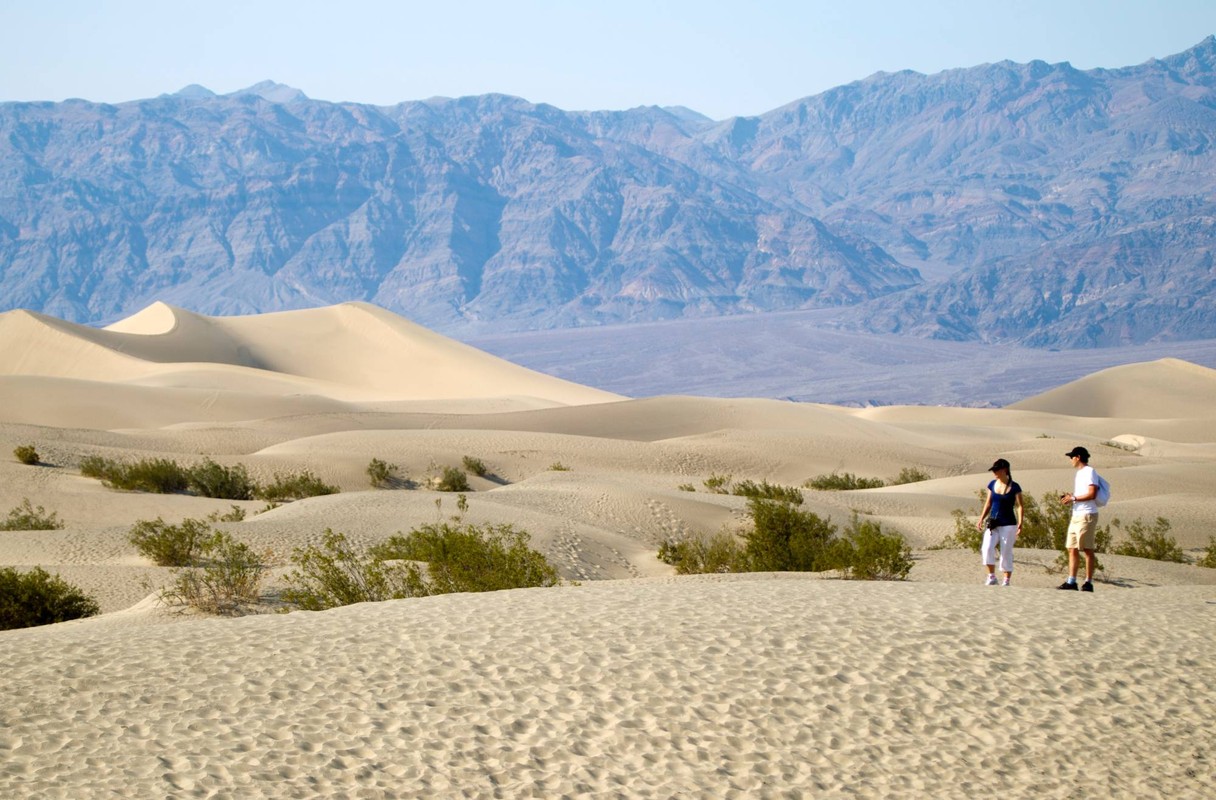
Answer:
x=1165 y=388
x=634 y=683
x=353 y=353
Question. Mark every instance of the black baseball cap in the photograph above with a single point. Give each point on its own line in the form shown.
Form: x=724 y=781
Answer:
x=1078 y=451
x=1000 y=463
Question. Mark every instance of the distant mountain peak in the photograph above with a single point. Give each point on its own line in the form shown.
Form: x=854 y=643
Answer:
x=272 y=91
x=194 y=92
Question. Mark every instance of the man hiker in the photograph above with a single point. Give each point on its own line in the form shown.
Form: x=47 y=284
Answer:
x=1083 y=526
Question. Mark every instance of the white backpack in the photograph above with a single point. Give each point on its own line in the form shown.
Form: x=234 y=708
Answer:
x=1103 y=496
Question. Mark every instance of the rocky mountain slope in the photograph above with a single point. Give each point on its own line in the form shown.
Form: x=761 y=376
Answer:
x=1007 y=202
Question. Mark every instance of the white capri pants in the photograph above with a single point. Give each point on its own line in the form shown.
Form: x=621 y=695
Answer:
x=1004 y=535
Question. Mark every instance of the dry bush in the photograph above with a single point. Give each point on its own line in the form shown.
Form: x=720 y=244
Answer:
x=169 y=545
x=26 y=517
x=336 y=574
x=26 y=454
x=227 y=578
x=295 y=486
x=842 y=482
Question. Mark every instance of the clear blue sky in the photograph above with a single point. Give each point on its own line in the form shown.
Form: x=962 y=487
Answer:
x=720 y=58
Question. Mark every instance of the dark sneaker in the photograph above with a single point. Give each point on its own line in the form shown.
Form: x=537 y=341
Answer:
x=1087 y=587
x=1072 y=587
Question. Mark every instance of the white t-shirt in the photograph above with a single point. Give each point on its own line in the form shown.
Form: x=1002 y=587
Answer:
x=1080 y=485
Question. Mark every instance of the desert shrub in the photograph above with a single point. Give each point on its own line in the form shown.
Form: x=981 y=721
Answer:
x=36 y=597
x=785 y=538
x=169 y=545
x=26 y=454
x=453 y=479
x=767 y=491
x=842 y=482
x=865 y=552
x=1145 y=541
x=94 y=466
x=718 y=484
x=1044 y=523
x=470 y=558
x=228 y=577
x=686 y=487
x=965 y=535
x=910 y=475
x=210 y=479
x=335 y=574
x=381 y=473
x=156 y=475
x=1208 y=559
x=235 y=514
x=558 y=466
x=26 y=517
x=474 y=466
x=788 y=539
x=296 y=486
x=697 y=555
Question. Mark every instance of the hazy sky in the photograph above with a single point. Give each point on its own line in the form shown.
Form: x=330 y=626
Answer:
x=720 y=58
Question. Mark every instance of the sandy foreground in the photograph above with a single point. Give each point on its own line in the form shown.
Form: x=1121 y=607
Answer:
x=633 y=683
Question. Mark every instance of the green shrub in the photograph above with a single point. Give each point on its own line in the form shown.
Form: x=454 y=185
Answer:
x=865 y=553
x=1044 y=523
x=27 y=518
x=785 y=538
x=236 y=514
x=94 y=466
x=39 y=598
x=169 y=545
x=686 y=487
x=210 y=479
x=965 y=536
x=1152 y=542
x=1208 y=559
x=470 y=558
x=453 y=480
x=26 y=454
x=558 y=466
x=335 y=574
x=156 y=475
x=697 y=555
x=910 y=475
x=297 y=486
x=381 y=473
x=475 y=466
x=718 y=484
x=767 y=491
x=842 y=482
x=228 y=577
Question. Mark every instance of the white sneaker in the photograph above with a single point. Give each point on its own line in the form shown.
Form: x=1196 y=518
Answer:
x=1005 y=582
x=991 y=581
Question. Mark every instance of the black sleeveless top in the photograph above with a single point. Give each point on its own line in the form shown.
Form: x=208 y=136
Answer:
x=1003 y=505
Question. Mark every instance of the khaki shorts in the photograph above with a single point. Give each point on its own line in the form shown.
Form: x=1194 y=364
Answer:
x=1081 y=532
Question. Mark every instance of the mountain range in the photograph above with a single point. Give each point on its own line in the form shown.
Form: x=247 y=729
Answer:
x=1030 y=203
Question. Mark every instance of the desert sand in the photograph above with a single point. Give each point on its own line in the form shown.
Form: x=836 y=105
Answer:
x=629 y=681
